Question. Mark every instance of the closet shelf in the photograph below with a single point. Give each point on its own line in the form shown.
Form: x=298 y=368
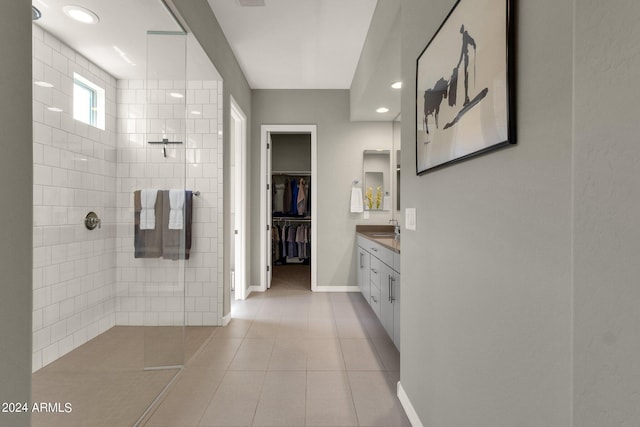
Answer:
x=297 y=173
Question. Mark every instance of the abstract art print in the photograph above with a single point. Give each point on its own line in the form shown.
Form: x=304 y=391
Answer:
x=464 y=102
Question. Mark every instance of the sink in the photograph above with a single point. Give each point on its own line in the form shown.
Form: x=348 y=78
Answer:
x=381 y=234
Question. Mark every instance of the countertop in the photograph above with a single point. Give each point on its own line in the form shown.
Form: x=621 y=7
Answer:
x=373 y=233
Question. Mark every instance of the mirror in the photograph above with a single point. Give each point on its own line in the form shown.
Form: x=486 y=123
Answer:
x=376 y=166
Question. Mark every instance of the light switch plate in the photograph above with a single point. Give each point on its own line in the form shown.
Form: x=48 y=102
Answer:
x=366 y=215
x=410 y=218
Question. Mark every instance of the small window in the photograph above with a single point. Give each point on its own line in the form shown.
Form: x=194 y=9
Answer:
x=88 y=102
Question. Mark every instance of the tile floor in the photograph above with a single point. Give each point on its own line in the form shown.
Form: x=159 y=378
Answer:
x=104 y=380
x=290 y=357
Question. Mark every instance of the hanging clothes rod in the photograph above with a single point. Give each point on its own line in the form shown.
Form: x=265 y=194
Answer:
x=284 y=219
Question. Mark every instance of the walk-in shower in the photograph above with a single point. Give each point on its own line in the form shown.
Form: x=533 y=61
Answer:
x=113 y=321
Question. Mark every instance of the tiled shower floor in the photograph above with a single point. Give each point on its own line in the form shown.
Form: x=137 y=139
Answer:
x=288 y=357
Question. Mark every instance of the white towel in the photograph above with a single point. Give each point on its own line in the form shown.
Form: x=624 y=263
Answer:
x=148 y=198
x=176 y=205
x=356 y=200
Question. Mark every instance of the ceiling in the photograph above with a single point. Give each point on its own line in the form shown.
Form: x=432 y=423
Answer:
x=296 y=44
x=285 y=44
x=118 y=42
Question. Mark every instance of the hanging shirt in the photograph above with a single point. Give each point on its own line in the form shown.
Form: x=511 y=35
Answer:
x=286 y=197
x=302 y=198
x=294 y=197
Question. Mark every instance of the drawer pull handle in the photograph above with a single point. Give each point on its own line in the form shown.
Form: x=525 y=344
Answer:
x=374 y=299
x=391 y=297
x=374 y=249
x=374 y=271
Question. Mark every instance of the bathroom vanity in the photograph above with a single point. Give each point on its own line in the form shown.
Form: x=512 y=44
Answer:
x=379 y=275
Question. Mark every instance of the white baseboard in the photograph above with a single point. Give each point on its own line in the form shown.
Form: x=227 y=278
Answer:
x=408 y=407
x=336 y=289
x=226 y=319
x=253 y=288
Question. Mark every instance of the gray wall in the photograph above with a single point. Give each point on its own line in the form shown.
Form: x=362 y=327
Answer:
x=340 y=146
x=607 y=213
x=291 y=152
x=486 y=291
x=16 y=188
x=204 y=25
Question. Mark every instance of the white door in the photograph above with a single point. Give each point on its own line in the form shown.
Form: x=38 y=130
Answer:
x=269 y=211
x=238 y=137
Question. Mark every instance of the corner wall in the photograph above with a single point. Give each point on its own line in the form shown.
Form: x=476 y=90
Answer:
x=16 y=228
x=607 y=211
x=204 y=25
x=486 y=277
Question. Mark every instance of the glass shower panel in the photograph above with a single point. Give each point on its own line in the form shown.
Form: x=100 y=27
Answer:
x=165 y=171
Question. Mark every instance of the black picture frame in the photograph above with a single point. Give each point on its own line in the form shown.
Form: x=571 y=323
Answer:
x=465 y=90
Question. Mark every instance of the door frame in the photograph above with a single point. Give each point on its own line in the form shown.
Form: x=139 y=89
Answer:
x=239 y=128
x=265 y=199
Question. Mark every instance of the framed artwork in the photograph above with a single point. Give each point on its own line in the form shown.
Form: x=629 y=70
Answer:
x=464 y=95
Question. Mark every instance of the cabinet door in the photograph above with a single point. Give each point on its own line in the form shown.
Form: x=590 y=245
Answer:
x=375 y=300
x=395 y=296
x=364 y=265
x=386 y=301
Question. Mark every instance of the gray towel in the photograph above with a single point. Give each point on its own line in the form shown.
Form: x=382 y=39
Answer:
x=147 y=243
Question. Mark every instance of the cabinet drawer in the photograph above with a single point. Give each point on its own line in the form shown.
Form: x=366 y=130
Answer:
x=383 y=254
x=375 y=271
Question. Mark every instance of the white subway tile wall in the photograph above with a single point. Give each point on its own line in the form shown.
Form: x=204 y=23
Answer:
x=156 y=291
x=74 y=172
x=85 y=281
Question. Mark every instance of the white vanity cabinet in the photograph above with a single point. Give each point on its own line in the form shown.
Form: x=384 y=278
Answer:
x=380 y=283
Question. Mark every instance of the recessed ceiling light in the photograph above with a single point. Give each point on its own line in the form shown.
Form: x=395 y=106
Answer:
x=397 y=85
x=81 y=14
x=54 y=109
x=196 y=113
x=382 y=110
x=176 y=95
x=42 y=84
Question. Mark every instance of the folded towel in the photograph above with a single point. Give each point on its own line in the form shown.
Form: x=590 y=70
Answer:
x=176 y=206
x=147 y=243
x=356 y=200
x=147 y=214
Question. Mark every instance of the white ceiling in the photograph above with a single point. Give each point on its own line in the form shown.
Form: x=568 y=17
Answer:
x=123 y=24
x=296 y=44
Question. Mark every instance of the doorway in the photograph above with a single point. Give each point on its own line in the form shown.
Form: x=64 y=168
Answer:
x=307 y=220
x=238 y=138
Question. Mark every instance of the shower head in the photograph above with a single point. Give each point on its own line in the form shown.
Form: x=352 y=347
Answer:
x=35 y=13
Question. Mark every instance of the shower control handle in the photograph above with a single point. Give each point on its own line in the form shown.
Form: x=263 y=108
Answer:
x=91 y=221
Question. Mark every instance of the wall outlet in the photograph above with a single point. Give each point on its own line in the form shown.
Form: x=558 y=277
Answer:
x=410 y=218
x=366 y=215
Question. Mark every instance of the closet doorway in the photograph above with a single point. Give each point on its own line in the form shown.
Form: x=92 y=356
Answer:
x=288 y=203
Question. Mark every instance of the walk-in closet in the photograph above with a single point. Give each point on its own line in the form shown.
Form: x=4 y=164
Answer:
x=291 y=210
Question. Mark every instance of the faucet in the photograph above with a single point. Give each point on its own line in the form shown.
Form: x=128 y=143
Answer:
x=396 y=228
